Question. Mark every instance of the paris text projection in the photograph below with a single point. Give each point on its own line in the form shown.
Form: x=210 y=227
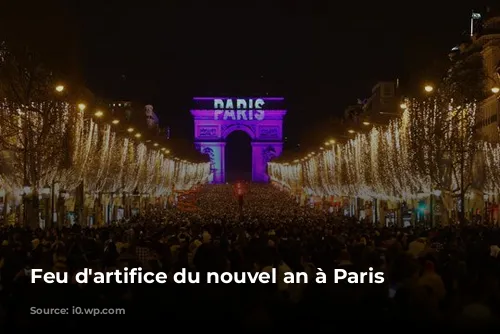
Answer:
x=215 y=118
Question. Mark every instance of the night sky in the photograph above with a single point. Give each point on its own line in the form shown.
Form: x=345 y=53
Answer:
x=320 y=55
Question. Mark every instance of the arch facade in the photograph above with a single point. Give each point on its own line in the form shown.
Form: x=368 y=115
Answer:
x=261 y=118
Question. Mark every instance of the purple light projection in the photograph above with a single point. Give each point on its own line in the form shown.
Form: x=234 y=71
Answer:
x=261 y=118
x=229 y=98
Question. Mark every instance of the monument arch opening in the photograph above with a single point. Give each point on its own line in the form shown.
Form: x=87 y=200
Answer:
x=238 y=154
x=215 y=119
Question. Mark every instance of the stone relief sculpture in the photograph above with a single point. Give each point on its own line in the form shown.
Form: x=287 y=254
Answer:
x=269 y=154
x=151 y=117
x=208 y=151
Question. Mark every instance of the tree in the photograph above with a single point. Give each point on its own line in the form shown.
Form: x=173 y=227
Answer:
x=34 y=131
x=465 y=80
x=444 y=146
x=464 y=85
x=464 y=148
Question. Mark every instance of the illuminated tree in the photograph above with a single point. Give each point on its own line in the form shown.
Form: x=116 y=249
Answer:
x=44 y=139
x=34 y=127
x=465 y=151
x=461 y=88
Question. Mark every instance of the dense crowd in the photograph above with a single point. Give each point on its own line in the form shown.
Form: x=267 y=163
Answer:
x=444 y=277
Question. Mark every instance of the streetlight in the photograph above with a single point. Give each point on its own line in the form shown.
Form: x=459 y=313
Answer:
x=428 y=88
x=366 y=123
x=495 y=90
x=351 y=131
x=137 y=135
x=155 y=144
x=82 y=106
x=98 y=113
x=167 y=151
x=130 y=130
x=59 y=88
x=115 y=121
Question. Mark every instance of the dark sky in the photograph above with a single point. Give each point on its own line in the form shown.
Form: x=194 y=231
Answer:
x=320 y=55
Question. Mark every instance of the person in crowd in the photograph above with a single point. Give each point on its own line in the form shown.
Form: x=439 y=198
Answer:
x=447 y=275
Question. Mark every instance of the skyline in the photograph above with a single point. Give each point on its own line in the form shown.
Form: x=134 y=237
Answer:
x=319 y=61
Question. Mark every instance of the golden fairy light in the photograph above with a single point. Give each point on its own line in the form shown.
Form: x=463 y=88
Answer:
x=73 y=148
x=415 y=152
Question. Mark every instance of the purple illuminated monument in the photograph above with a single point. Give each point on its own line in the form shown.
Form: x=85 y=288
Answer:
x=215 y=118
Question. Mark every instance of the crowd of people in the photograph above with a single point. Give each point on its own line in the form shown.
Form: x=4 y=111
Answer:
x=447 y=276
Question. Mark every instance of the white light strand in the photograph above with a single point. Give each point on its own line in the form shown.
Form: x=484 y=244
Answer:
x=431 y=147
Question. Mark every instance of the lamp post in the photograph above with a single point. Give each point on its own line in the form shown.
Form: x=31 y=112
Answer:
x=240 y=192
x=429 y=89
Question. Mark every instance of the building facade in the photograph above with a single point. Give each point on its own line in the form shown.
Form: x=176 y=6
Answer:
x=488 y=39
x=382 y=105
x=122 y=108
